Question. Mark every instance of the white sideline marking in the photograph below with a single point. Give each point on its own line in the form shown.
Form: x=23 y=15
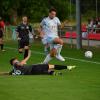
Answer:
x=81 y=60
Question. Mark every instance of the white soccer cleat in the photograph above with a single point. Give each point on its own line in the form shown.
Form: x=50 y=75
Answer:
x=59 y=57
x=70 y=67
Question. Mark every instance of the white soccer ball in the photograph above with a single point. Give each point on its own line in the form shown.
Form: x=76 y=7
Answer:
x=88 y=54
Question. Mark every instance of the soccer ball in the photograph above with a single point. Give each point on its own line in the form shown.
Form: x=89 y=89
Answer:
x=88 y=54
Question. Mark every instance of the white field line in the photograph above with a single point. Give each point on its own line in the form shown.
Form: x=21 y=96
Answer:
x=81 y=60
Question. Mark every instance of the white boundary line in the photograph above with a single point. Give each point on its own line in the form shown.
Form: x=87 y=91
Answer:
x=81 y=60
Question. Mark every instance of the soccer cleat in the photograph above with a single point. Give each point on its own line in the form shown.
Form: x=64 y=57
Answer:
x=74 y=67
x=70 y=67
x=59 y=57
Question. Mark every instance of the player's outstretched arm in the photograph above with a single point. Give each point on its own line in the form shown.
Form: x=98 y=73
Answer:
x=26 y=59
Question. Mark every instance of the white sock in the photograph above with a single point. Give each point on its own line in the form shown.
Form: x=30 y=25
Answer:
x=47 y=59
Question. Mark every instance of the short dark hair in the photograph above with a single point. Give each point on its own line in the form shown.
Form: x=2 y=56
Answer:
x=11 y=60
x=52 y=9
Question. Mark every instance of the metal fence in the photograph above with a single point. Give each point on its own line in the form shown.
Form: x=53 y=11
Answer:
x=85 y=39
x=10 y=34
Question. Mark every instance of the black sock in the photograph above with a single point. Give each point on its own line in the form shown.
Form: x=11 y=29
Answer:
x=2 y=45
x=26 y=53
x=60 y=67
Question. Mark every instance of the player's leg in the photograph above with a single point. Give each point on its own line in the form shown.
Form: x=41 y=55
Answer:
x=20 y=46
x=61 y=67
x=53 y=50
x=26 y=48
x=46 y=46
x=59 y=43
x=58 y=54
x=47 y=59
x=51 y=54
x=48 y=56
x=57 y=40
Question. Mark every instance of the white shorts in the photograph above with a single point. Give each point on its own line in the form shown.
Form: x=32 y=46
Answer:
x=49 y=40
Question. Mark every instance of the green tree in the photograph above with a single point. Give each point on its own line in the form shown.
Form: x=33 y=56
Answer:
x=35 y=9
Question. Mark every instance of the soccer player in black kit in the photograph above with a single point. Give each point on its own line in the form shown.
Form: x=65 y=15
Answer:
x=23 y=31
x=20 y=68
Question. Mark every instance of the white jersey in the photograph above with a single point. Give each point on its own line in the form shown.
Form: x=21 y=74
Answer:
x=50 y=26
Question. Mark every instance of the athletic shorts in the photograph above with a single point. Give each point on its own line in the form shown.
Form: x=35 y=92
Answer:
x=51 y=39
x=23 y=43
x=48 y=40
x=39 y=69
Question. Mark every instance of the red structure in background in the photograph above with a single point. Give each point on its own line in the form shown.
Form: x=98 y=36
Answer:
x=90 y=36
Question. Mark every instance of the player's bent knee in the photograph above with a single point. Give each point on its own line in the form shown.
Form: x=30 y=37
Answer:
x=53 y=52
x=61 y=42
x=58 y=41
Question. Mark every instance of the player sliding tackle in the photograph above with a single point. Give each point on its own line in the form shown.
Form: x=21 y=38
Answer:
x=19 y=68
x=49 y=35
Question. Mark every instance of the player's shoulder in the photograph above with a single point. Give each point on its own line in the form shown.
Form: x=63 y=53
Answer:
x=56 y=18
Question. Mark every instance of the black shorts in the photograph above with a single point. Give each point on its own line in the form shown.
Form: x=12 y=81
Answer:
x=23 y=43
x=40 y=69
x=1 y=34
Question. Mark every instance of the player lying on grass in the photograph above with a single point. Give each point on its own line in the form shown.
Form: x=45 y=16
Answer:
x=19 y=68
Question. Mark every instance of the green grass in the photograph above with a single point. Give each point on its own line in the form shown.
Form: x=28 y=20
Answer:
x=82 y=83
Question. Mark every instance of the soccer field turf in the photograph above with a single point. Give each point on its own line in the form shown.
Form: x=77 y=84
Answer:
x=82 y=83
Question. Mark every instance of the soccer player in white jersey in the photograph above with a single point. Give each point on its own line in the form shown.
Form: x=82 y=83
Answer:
x=49 y=35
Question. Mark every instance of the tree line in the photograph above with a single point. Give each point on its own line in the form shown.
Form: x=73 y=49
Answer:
x=37 y=9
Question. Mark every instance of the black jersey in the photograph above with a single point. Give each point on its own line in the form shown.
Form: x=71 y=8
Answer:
x=36 y=69
x=23 y=30
x=21 y=70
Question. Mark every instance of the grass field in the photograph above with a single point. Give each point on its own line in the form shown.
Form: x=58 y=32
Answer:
x=82 y=83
